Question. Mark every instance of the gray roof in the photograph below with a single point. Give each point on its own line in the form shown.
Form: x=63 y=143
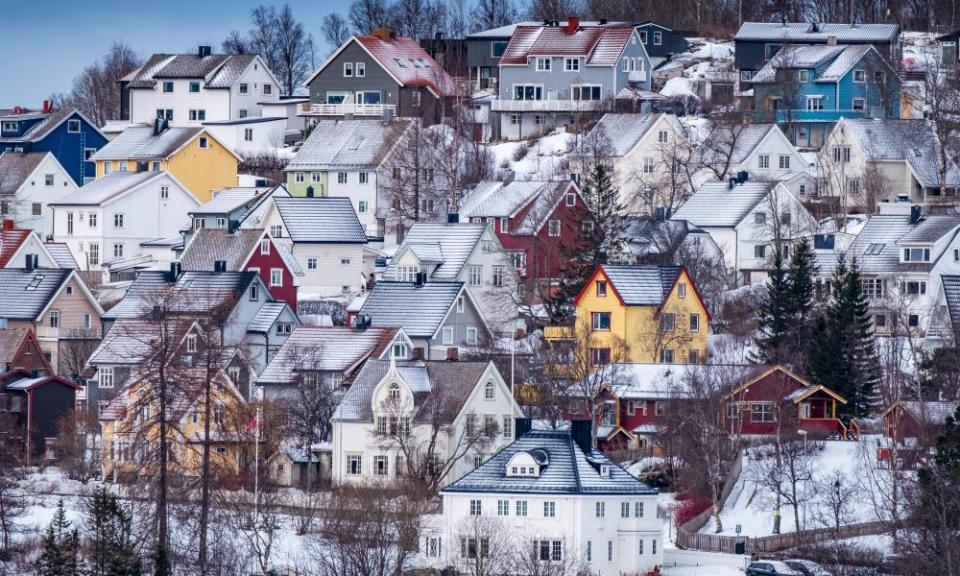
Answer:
x=831 y=62
x=912 y=141
x=194 y=293
x=321 y=220
x=211 y=244
x=130 y=341
x=657 y=381
x=934 y=413
x=642 y=285
x=50 y=121
x=268 y=314
x=140 y=143
x=951 y=292
x=419 y=310
x=348 y=144
x=452 y=382
x=456 y=240
x=805 y=32
x=107 y=188
x=325 y=348
x=877 y=246
x=646 y=237
x=716 y=204
x=505 y=32
x=533 y=200
x=568 y=470
x=62 y=255
x=220 y=70
x=15 y=168
x=228 y=200
x=625 y=130
x=24 y=294
x=843 y=63
x=716 y=141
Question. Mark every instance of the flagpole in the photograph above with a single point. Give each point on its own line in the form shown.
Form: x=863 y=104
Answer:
x=256 y=469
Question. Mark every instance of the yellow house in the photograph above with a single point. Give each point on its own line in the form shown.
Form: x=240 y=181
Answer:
x=640 y=314
x=193 y=156
x=129 y=425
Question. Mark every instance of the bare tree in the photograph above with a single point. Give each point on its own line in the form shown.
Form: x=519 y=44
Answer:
x=554 y=9
x=280 y=39
x=837 y=496
x=786 y=474
x=368 y=15
x=336 y=31
x=719 y=151
x=484 y=547
x=492 y=14
x=95 y=90
x=13 y=502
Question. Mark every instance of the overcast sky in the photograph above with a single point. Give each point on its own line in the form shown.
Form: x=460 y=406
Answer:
x=51 y=41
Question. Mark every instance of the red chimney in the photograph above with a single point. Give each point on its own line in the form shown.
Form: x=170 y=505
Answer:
x=8 y=224
x=47 y=106
x=573 y=22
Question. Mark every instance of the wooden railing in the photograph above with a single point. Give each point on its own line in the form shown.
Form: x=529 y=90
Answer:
x=776 y=542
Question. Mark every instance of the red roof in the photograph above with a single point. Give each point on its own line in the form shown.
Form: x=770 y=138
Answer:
x=600 y=45
x=408 y=63
x=10 y=241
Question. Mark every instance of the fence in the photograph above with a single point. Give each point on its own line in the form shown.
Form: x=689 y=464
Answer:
x=776 y=542
x=692 y=526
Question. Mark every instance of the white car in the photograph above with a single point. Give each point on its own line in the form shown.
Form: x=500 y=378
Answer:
x=771 y=568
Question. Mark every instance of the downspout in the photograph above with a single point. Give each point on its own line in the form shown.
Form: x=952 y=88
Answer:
x=29 y=427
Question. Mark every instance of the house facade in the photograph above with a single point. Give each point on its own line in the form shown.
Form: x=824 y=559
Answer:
x=107 y=220
x=398 y=415
x=232 y=207
x=28 y=183
x=548 y=499
x=190 y=89
x=550 y=74
x=65 y=133
x=807 y=89
x=197 y=159
x=380 y=75
x=251 y=136
x=20 y=350
x=37 y=404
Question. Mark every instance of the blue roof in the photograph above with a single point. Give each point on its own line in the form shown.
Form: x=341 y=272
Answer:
x=569 y=470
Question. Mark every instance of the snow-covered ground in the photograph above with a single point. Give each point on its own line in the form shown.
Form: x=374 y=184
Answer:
x=701 y=571
x=751 y=506
x=546 y=157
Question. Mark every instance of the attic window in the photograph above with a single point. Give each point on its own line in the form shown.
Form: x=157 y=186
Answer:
x=399 y=62
x=73 y=126
x=604 y=471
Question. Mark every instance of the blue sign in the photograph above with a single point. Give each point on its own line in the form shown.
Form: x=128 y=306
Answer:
x=738 y=529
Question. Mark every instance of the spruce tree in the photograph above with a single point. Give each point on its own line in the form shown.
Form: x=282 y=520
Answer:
x=111 y=550
x=862 y=347
x=800 y=304
x=824 y=347
x=937 y=529
x=771 y=336
x=60 y=547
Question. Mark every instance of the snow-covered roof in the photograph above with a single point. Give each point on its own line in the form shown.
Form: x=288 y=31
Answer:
x=193 y=293
x=131 y=341
x=934 y=413
x=816 y=32
x=624 y=131
x=715 y=204
x=107 y=188
x=456 y=240
x=142 y=143
x=15 y=168
x=325 y=348
x=419 y=310
x=210 y=245
x=642 y=285
x=569 y=470
x=598 y=45
x=321 y=220
x=830 y=63
x=219 y=70
x=227 y=200
x=348 y=144
x=24 y=294
x=877 y=247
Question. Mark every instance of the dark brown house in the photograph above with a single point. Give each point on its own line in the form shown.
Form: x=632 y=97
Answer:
x=31 y=407
x=19 y=349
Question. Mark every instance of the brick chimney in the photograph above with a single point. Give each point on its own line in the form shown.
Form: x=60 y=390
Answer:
x=573 y=22
x=384 y=34
x=453 y=354
x=8 y=224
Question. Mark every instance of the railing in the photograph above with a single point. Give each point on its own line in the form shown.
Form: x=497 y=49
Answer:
x=547 y=105
x=311 y=109
x=552 y=333
x=776 y=542
x=628 y=454
x=637 y=76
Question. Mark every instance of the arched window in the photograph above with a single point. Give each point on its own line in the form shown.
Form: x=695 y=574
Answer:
x=488 y=391
x=394 y=391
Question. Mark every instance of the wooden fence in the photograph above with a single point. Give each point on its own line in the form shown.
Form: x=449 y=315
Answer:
x=696 y=523
x=776 y=542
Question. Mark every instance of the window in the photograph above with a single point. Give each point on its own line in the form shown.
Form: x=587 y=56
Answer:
x=475 y=275
x=348 y=69
x=345 y=261
x=647 y=165
x=276 y=231
x=105 y=377
x=841 y=153
x=653 y=546
x=601 y=321
x=164 y=192
x=36 y=208
x=761 y=412
x=276 y=277
x=497 y=47
x=859 y=104
x=267 y=89
x=589 y=551
x=814 y=103
x=476 y=508
x=643 y=36
x=599 y=356
x=361 y=69
x=571 y=64
x=203 y=143
x=913 y=288
x=69 y=223
x=354 y=464
x=507 y=427
x=168 y=87
x=916 y=254
x=640 y=547
x=666 y=355
x=694 y=322
x=586 y=92
x=663 y=136
x=764 y=160
x=88 y=152
x=504 y=224
x=784 y=162
x=503 y=507
x=760 y=251
x=913 y=320
x=93 y=255
x=514 y=119
x=520 y=507
x=553 y=228
x=878 y=76
x=54 y=318
x=804 y=75
x=668 y=322
x=287 y=328
x=543 y=64
x=380 y=466
x=609 y=550
x=434 y=546
x=255 y=293
x=118 y=250
x=549 y=510
x=527 y=92
x=518 y=259
x=474 y=548
x=244 y=88
x=601 y=509
x=191 y=343
x=872 y=287
x=859 y=76
x=638 y=509
x=221 y=222
x=657 y=38
x=447 y=337
x=624 y=509
x=498 y=275
x=118 y=220
x=248 y=134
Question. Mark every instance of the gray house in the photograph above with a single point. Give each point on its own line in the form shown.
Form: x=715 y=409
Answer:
x=380 y=75
x=551 y=74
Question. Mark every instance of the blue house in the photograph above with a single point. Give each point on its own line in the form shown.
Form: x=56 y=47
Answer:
x=67 y=134
x=806 y=89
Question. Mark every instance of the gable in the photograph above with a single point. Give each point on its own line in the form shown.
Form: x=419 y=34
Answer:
x=349 y=51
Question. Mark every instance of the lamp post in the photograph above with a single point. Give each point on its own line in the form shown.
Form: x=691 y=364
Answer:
x=804 y=434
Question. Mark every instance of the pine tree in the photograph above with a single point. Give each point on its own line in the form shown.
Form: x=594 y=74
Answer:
x=111 y=550
x=771 y=336
x=60 y=547
x=935 y=545
x=824 y=348
x=800 y=304
x=862 y=348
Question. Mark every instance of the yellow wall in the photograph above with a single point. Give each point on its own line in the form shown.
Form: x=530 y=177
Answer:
x=201 y=170
x=634 y=334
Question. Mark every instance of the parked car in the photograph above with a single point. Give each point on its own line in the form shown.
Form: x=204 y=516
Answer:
x=771 y=568
x=806 y=567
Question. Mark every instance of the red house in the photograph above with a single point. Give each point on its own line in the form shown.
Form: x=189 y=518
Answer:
x=19 y=349
x=533 y=220
x=778 y=398
x=245 y=250
x=906 y=421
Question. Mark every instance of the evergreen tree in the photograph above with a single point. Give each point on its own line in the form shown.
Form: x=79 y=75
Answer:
x=935 y=549
x=110 y=547
x=771 y=338
x=60 y=549
x=800 y=286
x=862 y=346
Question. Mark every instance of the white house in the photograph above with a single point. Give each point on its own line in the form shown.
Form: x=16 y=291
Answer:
x=22 y=248
x=251 y=136
x=744 y=219
x=109 y=218
x=28 y=184
x=287 y=108
x=327 y=241
x=462 y=252
x=397 y=416
x=549 y=500
x=190 y=89
x=899 y=159
x=643 y=150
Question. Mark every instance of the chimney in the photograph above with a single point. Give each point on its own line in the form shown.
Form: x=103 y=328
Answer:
x=384 y=34
x=159 y=125
x=521 y=426
x=573 y=23
x=916 y=212
x=453 y=354
x=8 y=224
x=603 y=21
x=47 y=106
x=203 y=51
x=420 y=279
x=453 y=218
x=219 y=265
x=418 y=353
x=831 y=40
x=582 y=433
x=174 y=271
x=546 y=21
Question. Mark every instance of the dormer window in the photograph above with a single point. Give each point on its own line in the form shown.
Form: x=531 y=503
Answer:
x=527 y=464
x=916 y=254
x=394 y=391
x=604 y=471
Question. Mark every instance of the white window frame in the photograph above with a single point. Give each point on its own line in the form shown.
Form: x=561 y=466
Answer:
x=360 y=69
x=815 y=104
x=544 y=64
x=348 y=69
x=276 y=277
x=446 y=337
x=571 y=64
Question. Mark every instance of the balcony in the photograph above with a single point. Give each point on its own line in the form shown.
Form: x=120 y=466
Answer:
x=557 y=333
x=312 y=109
x=547 y=105
x=637 y=76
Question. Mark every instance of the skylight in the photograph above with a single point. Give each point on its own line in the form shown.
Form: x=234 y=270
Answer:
x=873 y=249
x=35 y=283
x=399 y=62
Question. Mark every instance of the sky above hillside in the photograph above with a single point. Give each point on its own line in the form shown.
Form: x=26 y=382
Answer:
x=50 y=41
